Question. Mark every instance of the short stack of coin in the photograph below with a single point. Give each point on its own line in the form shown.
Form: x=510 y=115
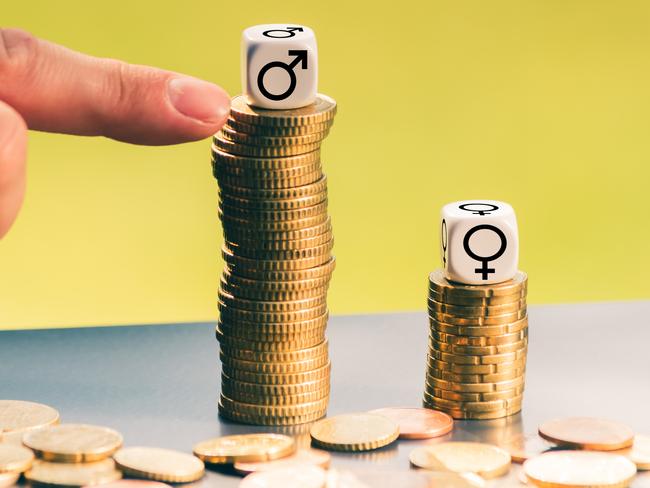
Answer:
x=278 y=263
x=477 y=347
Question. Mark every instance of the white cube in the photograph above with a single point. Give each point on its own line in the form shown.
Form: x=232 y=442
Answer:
x=279 y=66
x=479 y=242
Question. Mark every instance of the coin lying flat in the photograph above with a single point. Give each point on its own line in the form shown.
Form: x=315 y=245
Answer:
x=73 y=442
x=301 y=457
x=462 y=457
x=290 y=477
x=354 y=432
x=71 y=475
x=587 y=433
x=418 y=423
x=580 y=469
x=136 y=484
x=8 y=479
x=20 y=416
x=641 y=481
x=639 y=453
x=523 y=447
x=245 y=448
x=15 y=459
x=159 y=464
x=402 y=479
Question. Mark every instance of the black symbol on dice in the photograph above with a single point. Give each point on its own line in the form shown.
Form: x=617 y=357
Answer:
x=300 y=57
x=283 y=33
x=443 y=237
x=479 y=211
x=484 y=270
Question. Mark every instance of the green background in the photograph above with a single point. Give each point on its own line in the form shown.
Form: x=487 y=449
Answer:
x=543 y=104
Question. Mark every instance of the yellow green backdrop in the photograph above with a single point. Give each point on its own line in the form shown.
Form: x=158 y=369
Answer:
x=544 y=104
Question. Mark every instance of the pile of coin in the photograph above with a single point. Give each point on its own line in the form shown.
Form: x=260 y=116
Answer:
x=278 y=263
x=477 y=347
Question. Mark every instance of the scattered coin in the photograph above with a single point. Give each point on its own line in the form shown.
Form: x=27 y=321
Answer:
x=8 y=479
x=301 y=457
x=641 y=481
x=73 y=442
x=587 y=433
x=245 y=448
x=579 y=469
x=15 y=459
x=73 y=475
x=418 y=423
x=136 y=484
x=402 y=479
x=526 y=446
x=354 y=432
x=462 y=457
x=157 y=464
x=20 y=416
x=289 y=477
x=639 y=453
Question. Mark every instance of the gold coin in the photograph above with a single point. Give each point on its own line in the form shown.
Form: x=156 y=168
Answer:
x=276 y=400
x=245 y=266
x=523 y=447
x=478 y=351
x=325 y=269
x=482 y=341
x=275 y=368
x=286 y=389
x=225 y=180
x=278 y=357
x=293 y=476
x=282 y=245
x=470 y=415
x=226 y=168
x=269 y=420
x=418 y=423
x=302 y=457
x=354 y=432
x=479 y=406
x=303 y=191
x=272 y=204
x=509 y=357
x=266 y=295
x=260 y=306
x=250 y=316
x=257 y=140
x=8 y=479
x=475 y=387
x=240 y=282
x=482 y=311
x=579 y=469
x=135 y=484
x=20 y=416
x=641 y=481
x=477 y=301
x=472 y=397
x=479 y=330
x=245 y=448
x=322 y=110
x=475 y=378
x=439 y=284
x=493 y=320
x=272 y=225
x=293 y=214
x=315 y=252
x=73 y=475
x=277 y=379
x=15 y=459
x=228 y=342
x=157 y=464
x=227 y=145
x=73 y=443
x=267 y=131
x=251 y=328
x=639 y=453
x=462 y=457
x=246 y=234
x=587 y=433
x=291 y=337
x=476 y=368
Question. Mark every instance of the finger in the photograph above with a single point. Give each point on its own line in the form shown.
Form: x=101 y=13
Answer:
x=13 y=153
x=59 y=90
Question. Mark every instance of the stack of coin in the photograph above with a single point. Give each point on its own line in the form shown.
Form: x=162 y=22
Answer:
x=278 y=263
x=477 y=347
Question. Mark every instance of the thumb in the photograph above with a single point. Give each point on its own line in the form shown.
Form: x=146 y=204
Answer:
x=13 y=153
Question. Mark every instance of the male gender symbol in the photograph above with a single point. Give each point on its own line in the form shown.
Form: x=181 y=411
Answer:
x=443 y=238
x=484 y=260
x=301 y=57
x=284 y=33
x=478 y=211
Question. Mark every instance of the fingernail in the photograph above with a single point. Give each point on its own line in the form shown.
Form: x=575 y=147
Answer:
x=199 y=99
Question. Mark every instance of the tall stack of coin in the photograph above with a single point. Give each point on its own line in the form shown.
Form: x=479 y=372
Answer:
x=477 y=347
x=278 y=263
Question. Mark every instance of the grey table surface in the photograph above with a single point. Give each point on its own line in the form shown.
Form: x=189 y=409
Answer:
x=159 y=385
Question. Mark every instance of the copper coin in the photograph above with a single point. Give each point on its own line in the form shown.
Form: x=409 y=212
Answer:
x=135 y=484
x=523 y=447
x=418 y=423
x=587 y=433
x=291 y=477
x=302 y=457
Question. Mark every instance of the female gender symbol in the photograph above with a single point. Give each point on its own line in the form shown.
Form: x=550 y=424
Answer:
x=484 y=260
x=478 y=211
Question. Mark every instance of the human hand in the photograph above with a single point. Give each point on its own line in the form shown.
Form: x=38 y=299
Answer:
x=47 y=87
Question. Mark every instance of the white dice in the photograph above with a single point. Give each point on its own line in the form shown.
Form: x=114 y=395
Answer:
x=479 y=242
x=279 y=66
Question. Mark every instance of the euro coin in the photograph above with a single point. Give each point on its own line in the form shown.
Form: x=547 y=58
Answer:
x=480 y=406
x=468 y=359
x=307 y=476
x=579 y=469
x=476 y=368
x=587 y=433
x=276 y=286
x=480 y=341
x=245 y=448
x=493 y=320
x=439 y=284
x=279 y=245
x=8 y=479
x=281 y=356
x=159 y=464
x=73 y=443
x=272 y=204
x=418 y=423
x=275 y=368
x=265 y=295
x=641 y=481
x=476 y=311
x=321 y=111
x=324 y=269
x=473 y=397
x=20 y=416
x=284 y=420
x=639 y=453
x=484 y=460
x=136 y=484
x=382 y=478
x=476 y=387
x=525 y=446
x=300 y=191
x=284 y=389
x=270 y=306
x=236 y=314
x=229 y=342
x=276 y=400
x=478 y=301
x=270 y=131
x=460 y=414
x=479 y=330
x=475 y=378
x=266 y=140
x=238 y=148
x=302 y=457
x=228 y=222
x=15 y=459
x=354 y=432
x=480 y=351
x=73 y=475
x=273 y=410
x=238 y=235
